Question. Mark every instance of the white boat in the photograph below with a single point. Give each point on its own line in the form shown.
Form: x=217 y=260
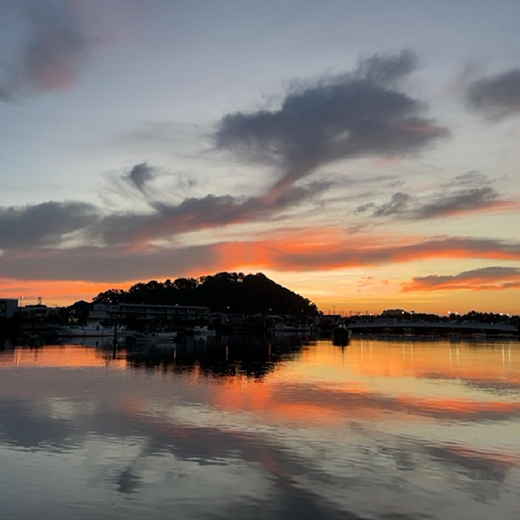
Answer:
x=92 y=330
x=204 y=331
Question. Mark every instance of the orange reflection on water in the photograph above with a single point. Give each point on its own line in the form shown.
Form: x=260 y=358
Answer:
x=324 y=384
x=431 y=360
x=263 y=399
x=370 y=379
x=66 y=356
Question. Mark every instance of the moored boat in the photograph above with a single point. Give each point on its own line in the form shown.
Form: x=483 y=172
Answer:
x=92 y=330
x=341 y=335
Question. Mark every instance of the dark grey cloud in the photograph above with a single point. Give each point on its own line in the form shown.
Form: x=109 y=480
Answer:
x=53 y=56
x=48 y=224
x=498 y=96
x=339 y=117
x=105 y=264
x=387 y=69
x=44 y=224
x=140 y=175
x=405 y=206
x=460 y=201
x=493 y=277
x=398 y=204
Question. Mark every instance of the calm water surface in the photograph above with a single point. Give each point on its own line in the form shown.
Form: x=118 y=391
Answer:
x=249 y=429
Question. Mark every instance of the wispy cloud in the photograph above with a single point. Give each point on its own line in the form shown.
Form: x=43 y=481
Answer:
x=140 y=175
x=473 y=178
x=51 y=223
x=440 y=205
x=195 y=214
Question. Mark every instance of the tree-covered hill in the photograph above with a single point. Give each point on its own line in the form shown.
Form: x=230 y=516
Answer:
x=225 y=292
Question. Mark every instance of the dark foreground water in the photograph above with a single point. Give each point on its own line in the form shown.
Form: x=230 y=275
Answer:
x=245 y=429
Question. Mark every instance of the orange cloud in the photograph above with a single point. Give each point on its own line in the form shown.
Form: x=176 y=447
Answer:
x=52 y=291
x=65 y=275
x=336 y=250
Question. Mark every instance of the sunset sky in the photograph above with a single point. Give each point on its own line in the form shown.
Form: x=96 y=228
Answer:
x=362 y=153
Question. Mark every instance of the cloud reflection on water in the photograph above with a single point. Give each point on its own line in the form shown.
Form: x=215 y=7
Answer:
x=280 y=428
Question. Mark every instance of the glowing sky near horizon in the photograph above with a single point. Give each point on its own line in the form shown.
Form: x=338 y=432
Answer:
x=363 y=154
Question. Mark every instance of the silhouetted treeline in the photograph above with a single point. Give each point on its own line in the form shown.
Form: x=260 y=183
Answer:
x=486 y=317
x=223 y=292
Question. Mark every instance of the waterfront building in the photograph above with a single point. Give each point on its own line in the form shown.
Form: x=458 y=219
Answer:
x=8 y=307
x=38 y=310
x=146 y=312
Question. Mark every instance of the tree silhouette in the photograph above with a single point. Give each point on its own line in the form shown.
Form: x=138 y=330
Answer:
x=225 y=292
